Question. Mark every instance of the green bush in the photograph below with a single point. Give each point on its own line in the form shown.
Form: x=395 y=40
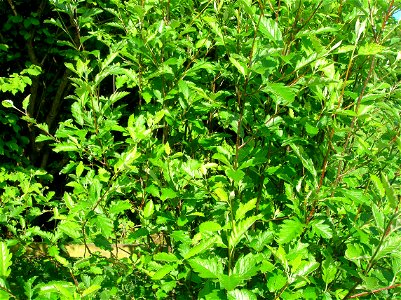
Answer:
x=247 y=149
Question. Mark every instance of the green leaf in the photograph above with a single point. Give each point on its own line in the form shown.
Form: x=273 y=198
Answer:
x=306 y=161
x=148 y=209
x=105 y=225
x=282 y=92
x=329 y=270
x=390 y=195
x=91 y=290
x=221 y=194
x=25 y=102
x=43 y=138
x=70 y=228
x=371 y=49
x=241 y=295
x=209 y=226
x=168 y=193
x=276 y=282
x=163 y=256
x=5 y=260
x=241 y=67
x=65 y=147
x=289 y=230
x=201 y=247
x=229 y=282
x=269 y=28
x=7 y=103
x=378 y=216
x=207 y=268
x=239 y=230
x=247 y=266
x=244 y=208
x=235 y=175
x=162 y=272
x=378 y=184
x=322 y=229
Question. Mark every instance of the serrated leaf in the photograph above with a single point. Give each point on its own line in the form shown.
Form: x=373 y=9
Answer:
x=269 y=28
x=239 y=230
x=201 y=247
x=306 y=161
x=80 y=168
x=162 y=272
x=209 y=226
x=247 y=266
x=378 y=184
x=241 y=295
x=329 y=271
x=244 y=208
x=235 y=175
x=371 y=49
x=378 y=216
x=163 y=256
x=322 y=229
x=289 y=230
x=43 y=138
x=229 y=282
x=5 y=260
x=65 y=147
x=90 y=290
x=221 y=194
x=281 y=91
x=390 y=195
x=306 y=268
x=72 y=229
x=276 y=282
x=207 y=268
x=105 y=225
x=25 y=102
x=239 y=66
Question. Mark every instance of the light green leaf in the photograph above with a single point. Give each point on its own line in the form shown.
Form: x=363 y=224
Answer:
x=221 y=194
x=378 y=216
x=247 y=266
x=148 y=209
x=7 y=103
x=163 y=256
x=276 y=282
x=390 y=195
x=329 y=270
x=269 y=28
x=168 y=193
x=378 y=184
x=241 y=295
x=306 y=161
x=201 y=247
x=90 y=290
x=239 y=230
x=25 y=102
x=244 y=208
x=70 y=228
x=282 y=92
x=5 y=260
x=235 y=175
x=322 y=229
x=229 y=282
x=207 y=268
x=289 y=230
x=371 y=49
x=65 y=147
x=162 y=272
x=209 y=226
x=241 y=67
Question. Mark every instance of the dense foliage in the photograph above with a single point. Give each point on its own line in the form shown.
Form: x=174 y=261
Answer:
x=245 y=149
